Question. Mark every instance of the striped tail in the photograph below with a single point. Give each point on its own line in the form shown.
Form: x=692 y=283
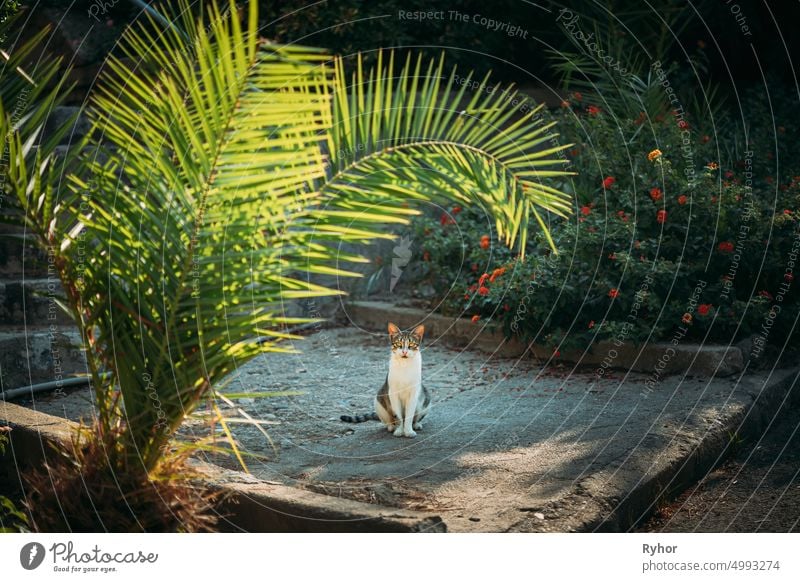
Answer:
x=359 y=417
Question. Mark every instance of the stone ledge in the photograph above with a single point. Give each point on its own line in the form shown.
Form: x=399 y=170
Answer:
x=248 y=504
x=691 y=359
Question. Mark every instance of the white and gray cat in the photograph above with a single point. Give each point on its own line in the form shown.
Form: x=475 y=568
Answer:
x=402 y=402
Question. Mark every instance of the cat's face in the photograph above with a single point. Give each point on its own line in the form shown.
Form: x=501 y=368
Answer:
x=405 y=344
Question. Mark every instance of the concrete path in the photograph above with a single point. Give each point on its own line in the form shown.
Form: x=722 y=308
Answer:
x=508 y=446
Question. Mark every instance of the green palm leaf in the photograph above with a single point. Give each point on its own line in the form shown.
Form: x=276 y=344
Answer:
x=214 y=156
x=417 y=132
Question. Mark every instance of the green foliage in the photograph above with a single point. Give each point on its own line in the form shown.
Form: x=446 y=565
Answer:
x=674 y=246
x=620 y=60
x=11 y=519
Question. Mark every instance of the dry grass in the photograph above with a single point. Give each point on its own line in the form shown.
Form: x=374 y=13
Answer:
x=91 y=488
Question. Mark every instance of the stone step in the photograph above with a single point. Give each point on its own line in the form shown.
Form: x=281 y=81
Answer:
x=40 y=354
x=20 y=255
x=32 y=302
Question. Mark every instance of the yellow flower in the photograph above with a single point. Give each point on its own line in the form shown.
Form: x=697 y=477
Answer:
x=654 y=155
x=712 y=165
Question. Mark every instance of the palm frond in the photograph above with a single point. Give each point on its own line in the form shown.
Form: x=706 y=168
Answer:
x=423 y=132
x=213 y=157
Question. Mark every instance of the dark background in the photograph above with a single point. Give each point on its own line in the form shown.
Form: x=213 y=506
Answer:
x=348 y=26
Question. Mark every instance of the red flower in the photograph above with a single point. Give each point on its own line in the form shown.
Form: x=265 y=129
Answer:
x=725 y=247
x=608 y=182
x=483 y=278
x=577 y=96
x=787 y=211
x=704 y=308
x=613 y=256
x=506 y=307
x=765 y=294
x=683 y=124
x=456 y=209
x=483 y=291
x=593 y=110
x=585 y=210
x=475 y=318
x=661 y=216
x=474 y=267
x=497 y=273
x=728 y=174
x=591 y=324
x=426 y=256
x=613 y=293
x=446 y=219
x=706 y=139
x=788 y=277
x=485 y=241
x=687 y=318
x=682 y=199
x=556 y=353
x=655 y=194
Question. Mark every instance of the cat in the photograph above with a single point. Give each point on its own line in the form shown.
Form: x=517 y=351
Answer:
x=402 y=402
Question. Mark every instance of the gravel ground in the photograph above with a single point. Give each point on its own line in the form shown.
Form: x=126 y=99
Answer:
x=508 y=445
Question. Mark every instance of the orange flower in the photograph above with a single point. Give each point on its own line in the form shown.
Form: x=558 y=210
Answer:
x=485 y=241
x=483 y=278
x=682 y=199
x=483 y=291
x=654 y=155
x=613 y=293
x=497 y=273
x=655 y=194
x=661 y=216
x=475 y=318
x=712 y=165
x=687 y=318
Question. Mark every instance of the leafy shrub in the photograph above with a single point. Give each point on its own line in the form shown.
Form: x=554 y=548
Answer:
x=665 y=244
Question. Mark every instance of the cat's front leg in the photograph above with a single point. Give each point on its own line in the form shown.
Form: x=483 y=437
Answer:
x=408 y=419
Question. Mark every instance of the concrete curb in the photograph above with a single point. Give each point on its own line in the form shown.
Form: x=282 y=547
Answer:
x=692 y=359
x=248 y=504
x=585 y=511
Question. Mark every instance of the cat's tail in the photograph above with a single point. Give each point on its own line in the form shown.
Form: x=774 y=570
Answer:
x=359 y=417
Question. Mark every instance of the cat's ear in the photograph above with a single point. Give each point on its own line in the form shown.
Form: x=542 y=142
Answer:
x=419 y=331
x=393 y=329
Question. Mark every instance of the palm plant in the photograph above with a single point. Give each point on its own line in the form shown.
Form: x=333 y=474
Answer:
x=225 y=170
x=622 y=77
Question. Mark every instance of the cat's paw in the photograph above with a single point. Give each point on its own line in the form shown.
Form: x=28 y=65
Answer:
x=410 y=434
x=391 y=427
x=417 y=426
x=398 y=432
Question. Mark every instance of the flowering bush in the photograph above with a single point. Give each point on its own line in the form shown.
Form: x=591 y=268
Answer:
x=665 y=240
